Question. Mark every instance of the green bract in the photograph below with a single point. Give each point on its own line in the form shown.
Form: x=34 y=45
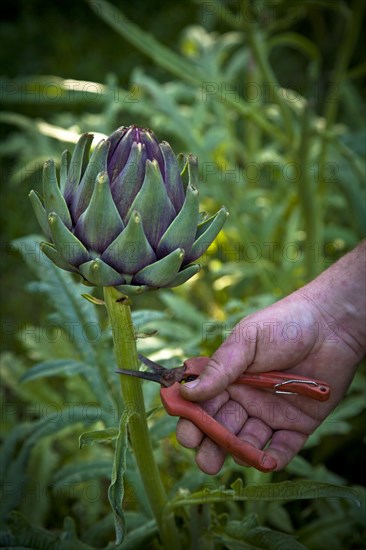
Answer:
x=122 y=216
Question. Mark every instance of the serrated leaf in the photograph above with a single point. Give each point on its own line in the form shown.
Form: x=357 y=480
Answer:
x=146 y=42
x=183 y=310
x=80 y=472
x=237 y=535
x=285 y=491
x=58 y=367
x=76 y=317
x=17 y=470
x=143 y=317
x=176 y=64
x=330 y=529
x=279 y=517
x=116 y=488
x=25 y=535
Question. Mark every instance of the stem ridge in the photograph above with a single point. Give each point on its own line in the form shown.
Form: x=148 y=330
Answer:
x=119 y=313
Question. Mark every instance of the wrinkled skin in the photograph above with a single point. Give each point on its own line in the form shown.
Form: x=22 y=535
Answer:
x=317 y=332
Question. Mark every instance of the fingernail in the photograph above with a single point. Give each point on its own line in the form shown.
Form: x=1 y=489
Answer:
x=192 y=384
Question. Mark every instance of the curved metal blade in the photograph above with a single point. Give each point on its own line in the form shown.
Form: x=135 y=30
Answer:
x=155 y=367
x=167 y=377
x=158 y=373
x=154 y=377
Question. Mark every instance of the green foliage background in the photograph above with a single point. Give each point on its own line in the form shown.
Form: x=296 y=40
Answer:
x=208 y=77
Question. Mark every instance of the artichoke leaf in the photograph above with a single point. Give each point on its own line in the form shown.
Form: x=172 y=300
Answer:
x=128 y=183
x=207 y=233
x=130 y=251
x=52 y=254
x=84 y=192
x=101 y=274
x=77 y=163
x=40 y=212
x=153 y=204
x=53 y=198
x=182 y=231
x=101 y=223
x=162 y=272
x=64 y=169
x=66 y=244
x=172 y=177
x=184 y=275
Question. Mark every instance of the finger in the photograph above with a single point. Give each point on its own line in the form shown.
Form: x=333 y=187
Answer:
x=210 y=456
x=227 y=363
x=280 y=413
x=188 y=434
x=285 y=445
x=256 y=433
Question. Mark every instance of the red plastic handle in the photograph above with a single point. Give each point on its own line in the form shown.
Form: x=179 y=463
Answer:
x=278 y=382
x=283 y=383
x=175 y=405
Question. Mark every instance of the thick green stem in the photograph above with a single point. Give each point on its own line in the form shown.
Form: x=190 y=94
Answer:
x=126 y=354
x=253 y=137
x=258 y=47
x=347 y=45
x=310 y=201
x=257 y=44
x=346 y=49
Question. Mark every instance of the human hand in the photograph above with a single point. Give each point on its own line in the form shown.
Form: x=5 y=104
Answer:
x=296 y=335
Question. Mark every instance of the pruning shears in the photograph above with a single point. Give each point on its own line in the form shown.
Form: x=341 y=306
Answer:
x=176 y=405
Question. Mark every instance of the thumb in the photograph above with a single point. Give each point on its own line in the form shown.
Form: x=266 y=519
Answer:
x=229 y=361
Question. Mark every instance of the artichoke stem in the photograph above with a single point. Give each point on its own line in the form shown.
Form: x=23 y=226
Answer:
x=126 y=354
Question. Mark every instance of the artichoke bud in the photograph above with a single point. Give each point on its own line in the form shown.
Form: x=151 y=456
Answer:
x=122 y=216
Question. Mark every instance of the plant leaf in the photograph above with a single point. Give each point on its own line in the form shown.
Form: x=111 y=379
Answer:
x=284 y=491
x=240 y=535
x=138 y=538
x=75 y=316
x=17 y=467
x=58 y=367
x=81 y=471
x=116 y=488
x=99 y=436
x=24 y=535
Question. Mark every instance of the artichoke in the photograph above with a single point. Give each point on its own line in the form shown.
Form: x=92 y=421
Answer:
x=122 y=216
